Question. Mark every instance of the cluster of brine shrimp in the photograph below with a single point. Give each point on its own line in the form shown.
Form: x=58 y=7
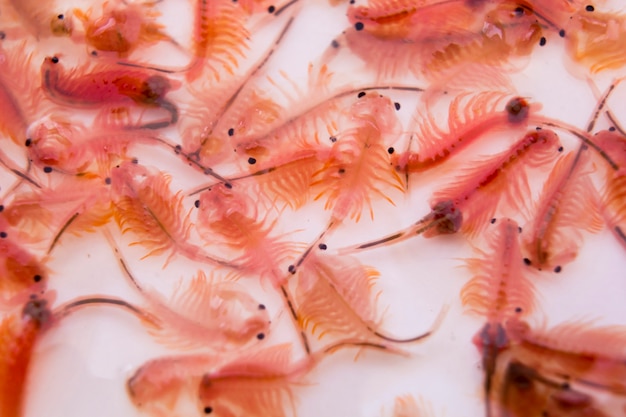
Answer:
x=247 y=212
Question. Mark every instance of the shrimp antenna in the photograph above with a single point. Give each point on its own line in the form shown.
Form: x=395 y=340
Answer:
x=121 y=261
x=436 y=324
x=61 y=231
x=18 y=173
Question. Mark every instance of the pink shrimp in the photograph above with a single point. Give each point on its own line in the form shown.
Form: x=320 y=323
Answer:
x=112 y=85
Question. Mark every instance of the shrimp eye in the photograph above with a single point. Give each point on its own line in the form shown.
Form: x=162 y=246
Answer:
x=54 y=60
x=60 y=17
x=517 y=109
x=2 y=35
x=208 y=410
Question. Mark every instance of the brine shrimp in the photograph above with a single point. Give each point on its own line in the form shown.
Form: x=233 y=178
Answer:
x=209 y=311
x=526 y=392
x=219 y=38
x=255 y=384
x=427 y=38
x=585 y=353
x=111 y=85
x=72 y=149
x=498 y=182
x=37 y=18
x=73 y=205
x=22 y=272
x=358 y=169
x=145 y=206
x=18 y=335
x=122 y=27
x=479 y=117
x=596 y=39
x=568 y=204
x=202 y=138
x=499 y=291
x=230 y=217
x=334 y=298
x=614 y=190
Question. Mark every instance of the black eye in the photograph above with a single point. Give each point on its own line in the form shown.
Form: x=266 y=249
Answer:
x=54 y=60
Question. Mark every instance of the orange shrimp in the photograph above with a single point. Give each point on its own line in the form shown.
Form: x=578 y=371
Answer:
x=231 y=216
x=22 y=273
x=358 y=167
x=112 y=85
x=589 y=355
x=525 y=392
x=253 y=382
x=500 y=292
x=122 y=27
x=334 y=298
x=144 y=205
x=499 y=181
x=18 y=336
x=568 y=204
x=219 y=38
x=597 y=40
